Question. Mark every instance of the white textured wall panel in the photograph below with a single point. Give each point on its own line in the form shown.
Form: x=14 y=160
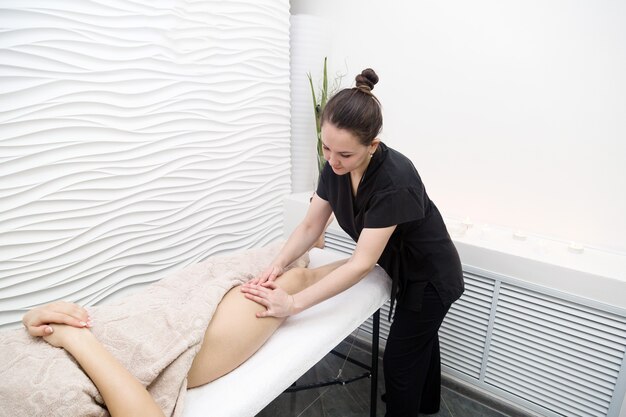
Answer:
x=136 y=138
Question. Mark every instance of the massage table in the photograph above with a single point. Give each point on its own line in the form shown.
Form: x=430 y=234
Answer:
x=298 y=344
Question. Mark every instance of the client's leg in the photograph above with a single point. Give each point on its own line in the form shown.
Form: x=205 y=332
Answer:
x=235 y=332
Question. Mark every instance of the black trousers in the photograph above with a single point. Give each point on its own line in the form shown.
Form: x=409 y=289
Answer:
x=411 y=361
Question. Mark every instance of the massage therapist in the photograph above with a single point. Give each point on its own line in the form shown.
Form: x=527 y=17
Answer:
x=379 y=199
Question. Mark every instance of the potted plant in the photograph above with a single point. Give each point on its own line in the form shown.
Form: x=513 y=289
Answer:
x=319 y=102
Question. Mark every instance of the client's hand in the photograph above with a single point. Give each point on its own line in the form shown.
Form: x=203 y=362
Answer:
x=276 y=301
x=63 y=336
x=37 y=321
x=267 y=276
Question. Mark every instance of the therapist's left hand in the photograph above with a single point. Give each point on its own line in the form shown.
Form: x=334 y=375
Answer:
x=268 y=275
x=276 y=301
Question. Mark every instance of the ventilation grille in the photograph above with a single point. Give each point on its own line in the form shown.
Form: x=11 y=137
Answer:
x=556 y=354
x=563 y=356
x=339 y=241
x=463 y=334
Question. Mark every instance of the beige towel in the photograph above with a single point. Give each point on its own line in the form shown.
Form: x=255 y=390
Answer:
x=155 y=334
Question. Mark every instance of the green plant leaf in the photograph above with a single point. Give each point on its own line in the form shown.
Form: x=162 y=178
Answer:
x=324 y=85
x=319 y=103
x=312 y=89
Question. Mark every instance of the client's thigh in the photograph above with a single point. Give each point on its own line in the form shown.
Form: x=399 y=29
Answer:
x=235 y=332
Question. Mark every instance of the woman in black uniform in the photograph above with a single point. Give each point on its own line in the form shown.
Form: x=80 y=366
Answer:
x=378 y=198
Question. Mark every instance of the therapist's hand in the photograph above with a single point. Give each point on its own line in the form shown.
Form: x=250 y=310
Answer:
x=276 y=301
x=267 y=276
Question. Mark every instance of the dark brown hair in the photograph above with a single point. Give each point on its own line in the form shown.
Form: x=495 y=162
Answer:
x=356 y=109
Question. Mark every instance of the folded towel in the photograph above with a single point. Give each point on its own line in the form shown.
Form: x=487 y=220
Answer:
x=154 y=333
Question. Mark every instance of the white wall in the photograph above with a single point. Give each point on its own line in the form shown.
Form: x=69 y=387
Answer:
x=309 y=43
x=513 y=112
x=136 y=138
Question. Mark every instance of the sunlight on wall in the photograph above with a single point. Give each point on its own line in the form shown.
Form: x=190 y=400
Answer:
x=513 y=112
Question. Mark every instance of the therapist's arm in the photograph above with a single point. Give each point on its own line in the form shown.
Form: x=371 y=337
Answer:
x=277 y=303
x=301 y=239
x=307 y=232
x=368 y=250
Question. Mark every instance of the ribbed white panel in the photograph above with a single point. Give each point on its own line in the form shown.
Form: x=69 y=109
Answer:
x=464 y=331
x=337 y=240
x=554 y=354
x=136 y=138
x=463 y=334
x=563 y=356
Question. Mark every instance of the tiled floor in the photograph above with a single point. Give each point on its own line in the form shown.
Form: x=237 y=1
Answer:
x=352 y=400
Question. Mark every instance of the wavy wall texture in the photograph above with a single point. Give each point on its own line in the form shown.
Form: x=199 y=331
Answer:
x=136 y=138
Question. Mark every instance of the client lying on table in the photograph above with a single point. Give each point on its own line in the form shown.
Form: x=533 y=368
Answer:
x=136 y=370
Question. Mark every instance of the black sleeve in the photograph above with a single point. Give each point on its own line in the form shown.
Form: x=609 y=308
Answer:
x=391 y=207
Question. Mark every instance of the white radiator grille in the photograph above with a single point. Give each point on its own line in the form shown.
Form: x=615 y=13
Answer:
x=339 y=241
x=563 y=356
x=463 y=333
x=556 y=354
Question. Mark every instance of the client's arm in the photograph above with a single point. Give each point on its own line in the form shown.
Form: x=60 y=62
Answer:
x=235 y=333
x=123 y=394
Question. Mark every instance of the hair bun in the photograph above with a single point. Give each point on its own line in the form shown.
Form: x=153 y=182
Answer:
x=366 y=79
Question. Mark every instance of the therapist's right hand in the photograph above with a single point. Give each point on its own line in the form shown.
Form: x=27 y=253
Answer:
x=268 y=275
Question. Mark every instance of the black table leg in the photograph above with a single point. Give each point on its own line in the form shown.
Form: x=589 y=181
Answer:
x=374 y=379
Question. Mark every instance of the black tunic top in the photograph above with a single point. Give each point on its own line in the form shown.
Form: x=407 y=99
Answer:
x=420 y=250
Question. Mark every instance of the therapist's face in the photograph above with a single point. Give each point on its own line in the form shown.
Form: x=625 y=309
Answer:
x=344 y=151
